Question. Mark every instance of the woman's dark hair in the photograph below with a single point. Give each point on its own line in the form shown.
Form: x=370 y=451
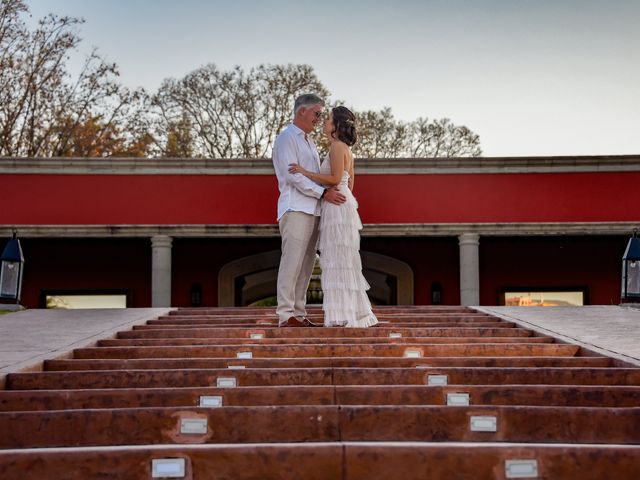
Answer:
x=344 y=125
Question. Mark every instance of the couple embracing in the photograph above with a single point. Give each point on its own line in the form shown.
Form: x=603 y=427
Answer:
x=318 y=212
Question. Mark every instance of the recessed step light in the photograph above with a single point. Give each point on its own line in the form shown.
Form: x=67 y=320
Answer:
x=457 y=399
x=437 y=380
x=521 y=468
x=483 y=423
x=193 y=426
x=210 y=401
x=168 y=468
x=226 y=382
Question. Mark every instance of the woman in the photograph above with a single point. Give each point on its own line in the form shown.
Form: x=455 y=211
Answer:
x=345 y=299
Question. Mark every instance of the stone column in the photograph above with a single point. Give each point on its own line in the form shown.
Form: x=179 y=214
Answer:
x=161 y=271
x=469 y=269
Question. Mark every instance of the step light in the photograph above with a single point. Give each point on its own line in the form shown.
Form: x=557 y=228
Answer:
x=210 y=401
x=226 y=382
x=168 y=468
x=193 y=426
x=437 y=380
x=244 y=355
x=395 y=335
x=412 y=353
x=458 y=399
x=256 y=336
x=521 y=468
x=484 y=423
x=235 y=367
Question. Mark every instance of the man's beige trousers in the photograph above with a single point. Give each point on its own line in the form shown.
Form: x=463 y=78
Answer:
x=299 y=232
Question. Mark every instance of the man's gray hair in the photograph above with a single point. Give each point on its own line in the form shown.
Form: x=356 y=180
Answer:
x=307 y=100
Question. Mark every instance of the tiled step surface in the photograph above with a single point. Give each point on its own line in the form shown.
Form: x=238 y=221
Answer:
x=215 y=387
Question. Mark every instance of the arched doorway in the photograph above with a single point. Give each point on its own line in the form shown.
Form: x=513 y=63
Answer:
x=246 y=280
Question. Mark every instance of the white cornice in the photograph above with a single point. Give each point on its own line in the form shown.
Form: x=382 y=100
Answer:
x=375 y=166
x=370 y=230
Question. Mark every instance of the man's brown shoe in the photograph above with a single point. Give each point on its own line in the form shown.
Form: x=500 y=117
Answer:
x=292 y=322
x=309 y=323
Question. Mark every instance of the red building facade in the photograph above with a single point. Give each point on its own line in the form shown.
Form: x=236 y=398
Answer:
x=451 y=231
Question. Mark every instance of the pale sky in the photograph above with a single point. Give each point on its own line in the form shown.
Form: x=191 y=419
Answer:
x=531 y=77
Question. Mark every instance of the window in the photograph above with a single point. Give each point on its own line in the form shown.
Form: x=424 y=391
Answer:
x=537 y=297
x=79 y=299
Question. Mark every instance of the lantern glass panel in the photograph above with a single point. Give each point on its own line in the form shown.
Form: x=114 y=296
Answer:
x=633 y=278
x=9 y=279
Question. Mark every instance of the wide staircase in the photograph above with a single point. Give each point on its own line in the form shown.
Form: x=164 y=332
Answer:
x=429 y=393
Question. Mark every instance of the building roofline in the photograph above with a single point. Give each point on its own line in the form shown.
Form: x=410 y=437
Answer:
x=369 y=230
x=367 y=166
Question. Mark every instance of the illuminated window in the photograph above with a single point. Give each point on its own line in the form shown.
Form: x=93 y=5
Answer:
x=540 y=298
x=72 y=300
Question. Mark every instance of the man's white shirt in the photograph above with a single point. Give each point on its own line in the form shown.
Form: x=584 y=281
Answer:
x=297 y=192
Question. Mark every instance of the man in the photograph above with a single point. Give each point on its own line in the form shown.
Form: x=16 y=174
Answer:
x=299 y=209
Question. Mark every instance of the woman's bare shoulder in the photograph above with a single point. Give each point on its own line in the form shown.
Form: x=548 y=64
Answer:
x=339 y=147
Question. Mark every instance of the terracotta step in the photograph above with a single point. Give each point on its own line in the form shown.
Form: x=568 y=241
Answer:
x=488 y=376
x=260 y=324
x=293 y=342
x=328 y=461
x=547 y=395
x=325 y=333
x=417 y=321
x=322 y=376
x=275 y=351
x=318 y=424
x=311 y=309
x=324 y=362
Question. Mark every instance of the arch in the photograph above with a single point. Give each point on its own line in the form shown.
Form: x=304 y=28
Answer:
x=251 y=278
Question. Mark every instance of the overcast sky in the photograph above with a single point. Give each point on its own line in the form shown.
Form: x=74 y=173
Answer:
x=531 y=77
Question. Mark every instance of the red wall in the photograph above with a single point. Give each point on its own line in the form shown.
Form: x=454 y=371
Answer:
x=85 y=264
x=594 y=262
x=251 y=199
x=200 y=260
x=432 y=259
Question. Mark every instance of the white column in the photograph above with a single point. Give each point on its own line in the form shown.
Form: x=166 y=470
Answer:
x=161 y=271
x=469 y=269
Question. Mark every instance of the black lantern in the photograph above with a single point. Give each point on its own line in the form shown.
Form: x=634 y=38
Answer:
x=631 y=270
x=11 y=266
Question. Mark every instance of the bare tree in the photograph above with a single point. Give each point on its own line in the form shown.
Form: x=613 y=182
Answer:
x=230 y=113
x=209 y=113
x=381 y=136
x=43 y=112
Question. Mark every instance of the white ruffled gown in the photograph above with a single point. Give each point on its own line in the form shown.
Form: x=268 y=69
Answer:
x=345 y=302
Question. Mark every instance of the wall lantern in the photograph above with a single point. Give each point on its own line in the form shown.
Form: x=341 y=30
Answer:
x=11 y=266
x=631 y=270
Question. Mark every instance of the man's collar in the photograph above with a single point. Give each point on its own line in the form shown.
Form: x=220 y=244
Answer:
x=297 y=129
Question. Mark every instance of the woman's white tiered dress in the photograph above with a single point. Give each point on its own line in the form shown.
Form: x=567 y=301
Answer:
x=345 y=301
